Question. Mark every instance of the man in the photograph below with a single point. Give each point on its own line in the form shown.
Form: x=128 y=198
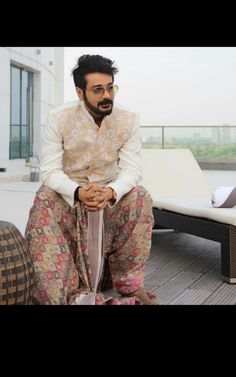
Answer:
x=90 y=169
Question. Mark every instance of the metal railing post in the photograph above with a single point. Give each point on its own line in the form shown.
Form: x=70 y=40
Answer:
x=163 y=137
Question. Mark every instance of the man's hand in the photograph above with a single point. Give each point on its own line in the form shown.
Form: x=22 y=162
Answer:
x=95 y=197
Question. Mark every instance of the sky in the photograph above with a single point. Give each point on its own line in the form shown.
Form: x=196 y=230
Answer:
x=169 y=85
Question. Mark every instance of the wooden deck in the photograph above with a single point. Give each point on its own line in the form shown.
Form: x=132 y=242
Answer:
x=185 y=270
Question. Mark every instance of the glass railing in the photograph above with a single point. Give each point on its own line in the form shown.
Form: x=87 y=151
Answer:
x=210 y=145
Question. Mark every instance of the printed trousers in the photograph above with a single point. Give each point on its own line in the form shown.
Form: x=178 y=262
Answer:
x=57 y=239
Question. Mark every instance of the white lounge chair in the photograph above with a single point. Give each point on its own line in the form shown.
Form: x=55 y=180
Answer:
x=182 y=201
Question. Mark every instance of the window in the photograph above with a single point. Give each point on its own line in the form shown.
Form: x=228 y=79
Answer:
x=21 y=113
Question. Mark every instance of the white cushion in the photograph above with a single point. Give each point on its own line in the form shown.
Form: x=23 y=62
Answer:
x=173 y=172
x=197 y=207
x=224 y=197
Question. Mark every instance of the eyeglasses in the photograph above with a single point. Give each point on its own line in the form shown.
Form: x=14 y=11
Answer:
x=98 y=91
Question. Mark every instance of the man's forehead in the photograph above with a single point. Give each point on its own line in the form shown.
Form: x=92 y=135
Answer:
x=98 y=78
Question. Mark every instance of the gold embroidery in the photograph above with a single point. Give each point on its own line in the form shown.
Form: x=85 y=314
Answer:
x=91 y=153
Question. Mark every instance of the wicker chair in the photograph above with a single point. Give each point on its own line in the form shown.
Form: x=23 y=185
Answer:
x=16 y=268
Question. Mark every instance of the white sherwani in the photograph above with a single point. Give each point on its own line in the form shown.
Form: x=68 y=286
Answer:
x=76 y=151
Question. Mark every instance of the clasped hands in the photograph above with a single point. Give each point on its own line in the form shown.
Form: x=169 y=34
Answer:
x=95 y=197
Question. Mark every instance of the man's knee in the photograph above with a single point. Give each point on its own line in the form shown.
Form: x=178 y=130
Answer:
x=140 y=193
x=46 y=193
x=46 y=198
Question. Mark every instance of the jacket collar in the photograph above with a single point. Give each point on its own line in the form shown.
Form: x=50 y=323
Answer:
x=89 y=116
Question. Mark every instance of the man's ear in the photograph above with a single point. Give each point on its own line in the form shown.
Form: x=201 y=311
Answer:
x=80 y=93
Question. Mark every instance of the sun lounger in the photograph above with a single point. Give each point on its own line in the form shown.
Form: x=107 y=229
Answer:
x=182 y=201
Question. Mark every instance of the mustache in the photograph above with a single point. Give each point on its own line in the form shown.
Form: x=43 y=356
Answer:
x=105 y=102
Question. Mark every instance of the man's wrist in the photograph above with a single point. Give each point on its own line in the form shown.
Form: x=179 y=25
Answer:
x=76 y=194
x=114 y=196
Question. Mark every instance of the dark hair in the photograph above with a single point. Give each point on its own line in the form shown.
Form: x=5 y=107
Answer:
x=91 y=64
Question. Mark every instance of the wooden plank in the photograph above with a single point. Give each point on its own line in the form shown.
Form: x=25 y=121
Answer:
x=168 y=271
x=191 y=297
x=174 y=287
x=224 y=295
x=206 y=261
x=210 y=280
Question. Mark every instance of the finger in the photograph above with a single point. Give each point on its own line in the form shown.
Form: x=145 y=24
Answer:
x=102 y=189
x=95 y=194
x=97 y=206
x=93 y=186
x=94 y=207
x=102 y=205
x=99 y=199
x=91 y=209
x=91 y=203
x=91 y=200
x=94 y=197
x=88 y=187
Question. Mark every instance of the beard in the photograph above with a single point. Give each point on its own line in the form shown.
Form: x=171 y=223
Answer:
x=96 y=110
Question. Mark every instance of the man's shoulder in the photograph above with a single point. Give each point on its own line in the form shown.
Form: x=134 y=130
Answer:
x=121 y=110
x=65 y=108
x=126 y=115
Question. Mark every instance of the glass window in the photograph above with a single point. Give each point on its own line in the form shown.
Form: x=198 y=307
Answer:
x=24 y=98
x=21 y=113
x=15 y=95
x=25 y=141
x=15 y=133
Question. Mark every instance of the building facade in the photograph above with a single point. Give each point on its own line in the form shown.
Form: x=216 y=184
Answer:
x=31 y=83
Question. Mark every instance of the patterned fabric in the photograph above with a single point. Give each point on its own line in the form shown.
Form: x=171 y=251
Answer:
x=76 y=151
x=91 y=153
x=57 y=238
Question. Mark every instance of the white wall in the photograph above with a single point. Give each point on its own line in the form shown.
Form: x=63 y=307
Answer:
x=48 y=69
x=59 y=72
x=4 y=104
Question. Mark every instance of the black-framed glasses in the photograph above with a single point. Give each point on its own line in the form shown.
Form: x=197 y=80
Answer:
x=98 y=91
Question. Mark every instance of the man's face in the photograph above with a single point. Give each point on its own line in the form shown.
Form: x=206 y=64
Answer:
x=99 y=93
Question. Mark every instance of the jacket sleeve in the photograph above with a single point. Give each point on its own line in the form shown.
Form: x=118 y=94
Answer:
x=130 y=168
x=51 y=167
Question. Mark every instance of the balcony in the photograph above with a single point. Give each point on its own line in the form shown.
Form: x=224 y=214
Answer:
x=214 y=147
x=182 y=269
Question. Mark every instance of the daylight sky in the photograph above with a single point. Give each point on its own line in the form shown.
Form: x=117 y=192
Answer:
x=169 y=85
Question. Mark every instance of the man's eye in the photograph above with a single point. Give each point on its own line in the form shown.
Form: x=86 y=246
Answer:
x=97 y=90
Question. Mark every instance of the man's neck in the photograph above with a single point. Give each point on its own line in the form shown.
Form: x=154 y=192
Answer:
x=97 y=118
